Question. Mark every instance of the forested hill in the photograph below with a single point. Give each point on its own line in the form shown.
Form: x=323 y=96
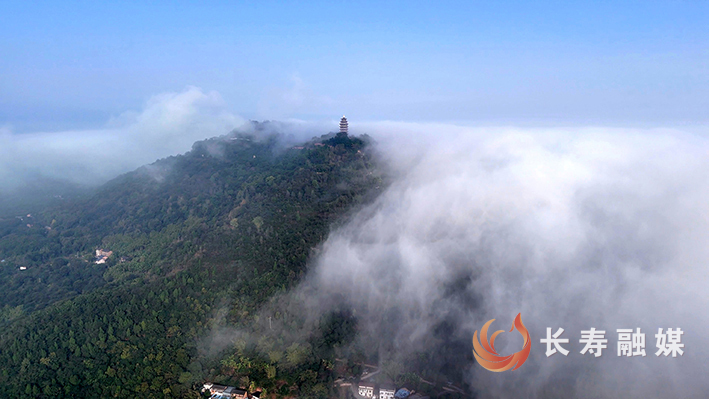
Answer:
x=233 y=221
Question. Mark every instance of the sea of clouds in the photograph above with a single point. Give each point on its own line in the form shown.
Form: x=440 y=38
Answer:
x=571 y=227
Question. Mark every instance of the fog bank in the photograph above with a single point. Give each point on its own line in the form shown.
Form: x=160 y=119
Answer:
x=168 y=124
x=574 y=228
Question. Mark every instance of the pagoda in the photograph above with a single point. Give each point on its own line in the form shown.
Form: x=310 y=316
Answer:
x=343 y=124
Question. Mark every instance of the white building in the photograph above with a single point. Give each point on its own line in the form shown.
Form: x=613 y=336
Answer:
x=366 y=389
x=102 y=256
x=386 y=391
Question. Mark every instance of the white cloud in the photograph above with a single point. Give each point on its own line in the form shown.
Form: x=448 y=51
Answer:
x=573 y=228
x=168 y=124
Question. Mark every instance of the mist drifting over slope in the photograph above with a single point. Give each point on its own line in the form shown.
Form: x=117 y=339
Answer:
x=574 y=228
x=168 y=124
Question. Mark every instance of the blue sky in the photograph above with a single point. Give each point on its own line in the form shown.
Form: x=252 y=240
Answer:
x=70 y=65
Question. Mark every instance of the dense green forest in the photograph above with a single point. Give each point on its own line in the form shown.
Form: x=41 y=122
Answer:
x=200 y=243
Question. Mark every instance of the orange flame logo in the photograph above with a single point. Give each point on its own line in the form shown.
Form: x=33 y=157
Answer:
x=488 y=357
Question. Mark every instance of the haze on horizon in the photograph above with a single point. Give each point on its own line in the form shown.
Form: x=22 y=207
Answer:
x=147 y=80
x=76 y=65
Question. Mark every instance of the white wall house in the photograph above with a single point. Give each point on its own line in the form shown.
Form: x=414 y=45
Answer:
x=386 y=392
x=366 y=389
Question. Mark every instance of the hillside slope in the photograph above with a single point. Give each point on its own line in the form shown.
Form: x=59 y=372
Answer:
x=222 y=228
